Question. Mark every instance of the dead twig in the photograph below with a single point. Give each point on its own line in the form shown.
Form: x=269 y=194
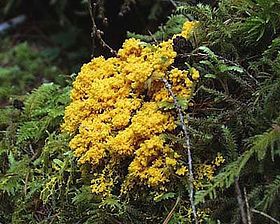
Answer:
x=25 y=183
x=170 y=214
x=188 y=146
x=240 y=201
x=173 y=3
x=247 y=207
x=96 y=33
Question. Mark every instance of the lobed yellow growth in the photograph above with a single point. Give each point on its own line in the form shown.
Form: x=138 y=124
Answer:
x=206 y=171
x=188 y=27
x=115 y=117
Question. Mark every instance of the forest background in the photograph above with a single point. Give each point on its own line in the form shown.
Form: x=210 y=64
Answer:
x=233 y=113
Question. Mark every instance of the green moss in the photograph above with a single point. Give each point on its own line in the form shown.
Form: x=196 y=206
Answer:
x=22 y=68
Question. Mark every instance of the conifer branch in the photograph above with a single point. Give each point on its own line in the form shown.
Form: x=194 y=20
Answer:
x=188 y=146
x=228 y=62
x=265 y=215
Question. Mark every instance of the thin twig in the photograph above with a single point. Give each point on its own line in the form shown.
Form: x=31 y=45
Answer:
x=170 y=214
x=31 y=149
x=25 y=183
x=249 y=219
x=240 y=201
x=265 y=215
x=12 y=23
x=92 y=15
x=96 y=33
x=173 y=3
x=187 y=142
x=152 y=36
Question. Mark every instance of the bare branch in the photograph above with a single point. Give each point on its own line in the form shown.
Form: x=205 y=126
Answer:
x=25 y=184
x=240 y=201
x=173 y=3
x=187 y=142
x=96 y=33
x=170 y=214
x=247 y=207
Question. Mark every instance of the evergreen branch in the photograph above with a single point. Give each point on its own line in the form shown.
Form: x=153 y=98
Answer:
x=271 y=192
x=215 y=57
x=227 y=177
x=265 y=215
x=172 y=26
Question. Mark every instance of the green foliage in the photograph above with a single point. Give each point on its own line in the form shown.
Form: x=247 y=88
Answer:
x=21 y=69
x=172 y=26
x=28 y=170
x=262 y=23
x=234 y=112
x=226 y=177
x=271 y=193
x=237 y=103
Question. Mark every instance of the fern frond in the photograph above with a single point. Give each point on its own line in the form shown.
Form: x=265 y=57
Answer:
x=271 y=193
x=227 y=176
x=230 y=144
x=218 y=95
x=11 y=182
x=267 y=140
x=30 y=130
x=38 y=99
x=273 y=49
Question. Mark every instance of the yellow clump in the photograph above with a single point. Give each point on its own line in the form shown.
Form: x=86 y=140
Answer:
x=188 y=28
x=218 y=160
x=206 y=171
x=115 y=115
x=102 y=185
x=194 y=74
x=182 y=171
